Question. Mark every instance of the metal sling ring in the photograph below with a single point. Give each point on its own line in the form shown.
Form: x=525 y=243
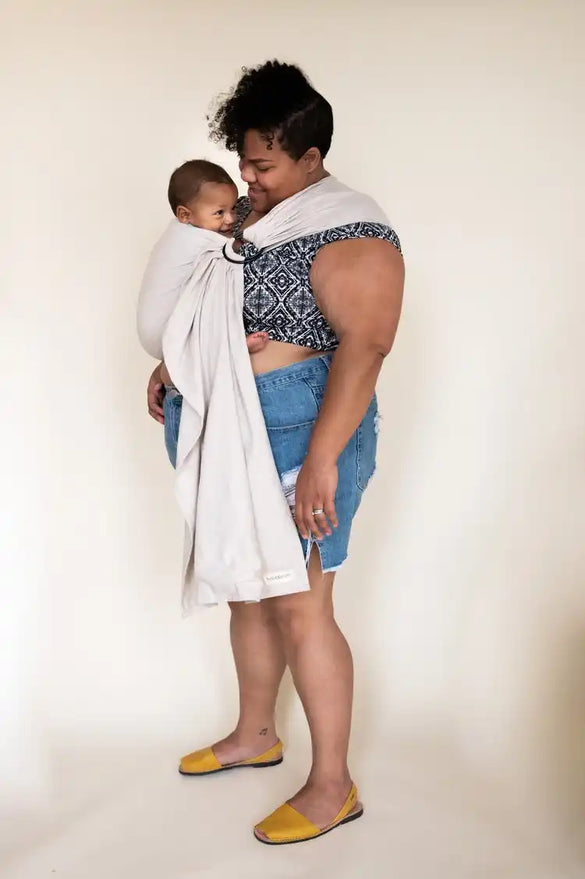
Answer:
x=241 y=262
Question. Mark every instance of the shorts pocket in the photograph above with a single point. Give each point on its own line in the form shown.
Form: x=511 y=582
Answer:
x=318 y=382
x=289 y=406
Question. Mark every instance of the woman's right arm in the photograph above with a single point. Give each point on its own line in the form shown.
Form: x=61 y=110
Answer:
x=155 y=394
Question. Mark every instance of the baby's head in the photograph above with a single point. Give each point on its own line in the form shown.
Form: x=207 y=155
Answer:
x=203 y=195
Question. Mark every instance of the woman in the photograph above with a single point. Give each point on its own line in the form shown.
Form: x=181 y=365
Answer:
x=331 y=314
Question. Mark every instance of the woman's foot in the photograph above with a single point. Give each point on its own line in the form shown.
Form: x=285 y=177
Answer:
x=320 y=803
x=237 y=746
x=233 y=751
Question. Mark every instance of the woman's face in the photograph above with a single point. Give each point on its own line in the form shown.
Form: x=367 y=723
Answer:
x=271 y=174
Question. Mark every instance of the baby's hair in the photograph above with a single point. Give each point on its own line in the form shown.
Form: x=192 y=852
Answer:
x=187 y=180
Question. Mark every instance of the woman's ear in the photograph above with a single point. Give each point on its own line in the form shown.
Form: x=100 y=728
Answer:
x=183 y=214
x=312 y=159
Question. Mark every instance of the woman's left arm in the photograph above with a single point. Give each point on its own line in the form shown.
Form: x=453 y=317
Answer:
x=358 y=287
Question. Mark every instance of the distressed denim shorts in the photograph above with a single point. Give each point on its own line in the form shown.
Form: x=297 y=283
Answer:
x=172 y=411
x=291 y=398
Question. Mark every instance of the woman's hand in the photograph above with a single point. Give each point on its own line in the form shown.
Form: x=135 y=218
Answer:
x=155 y=395
x=315 y=490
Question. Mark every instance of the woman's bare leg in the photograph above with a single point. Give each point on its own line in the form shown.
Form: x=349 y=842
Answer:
x=322 y=668
x=260 y=664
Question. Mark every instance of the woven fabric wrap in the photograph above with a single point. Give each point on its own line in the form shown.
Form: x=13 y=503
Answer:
x=241 y=543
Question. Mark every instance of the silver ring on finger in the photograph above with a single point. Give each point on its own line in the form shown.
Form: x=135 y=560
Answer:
x=318 y=512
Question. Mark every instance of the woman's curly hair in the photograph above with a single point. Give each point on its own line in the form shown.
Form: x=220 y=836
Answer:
x=277 y=100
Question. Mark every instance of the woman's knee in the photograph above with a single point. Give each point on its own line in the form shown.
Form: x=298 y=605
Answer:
x=296 y=615
x=251 y=614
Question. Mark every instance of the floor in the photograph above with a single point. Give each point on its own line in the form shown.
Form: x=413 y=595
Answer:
x=123 y=814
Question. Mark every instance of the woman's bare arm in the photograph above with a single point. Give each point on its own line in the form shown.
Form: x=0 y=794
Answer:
x=358 y=286
x=155 y=394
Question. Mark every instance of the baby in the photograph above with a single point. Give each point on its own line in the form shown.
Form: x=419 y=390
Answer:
x=203 y=195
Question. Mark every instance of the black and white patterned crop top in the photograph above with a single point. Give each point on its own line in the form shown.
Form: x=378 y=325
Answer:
x=278 y=298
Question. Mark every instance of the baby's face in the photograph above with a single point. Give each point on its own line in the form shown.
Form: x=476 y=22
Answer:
x=212 y=208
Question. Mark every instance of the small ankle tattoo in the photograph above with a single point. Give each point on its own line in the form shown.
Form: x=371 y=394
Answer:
x=263 y=732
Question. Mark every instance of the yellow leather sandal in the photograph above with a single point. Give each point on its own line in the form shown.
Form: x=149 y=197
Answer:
x=286 y=825
x=206 y=763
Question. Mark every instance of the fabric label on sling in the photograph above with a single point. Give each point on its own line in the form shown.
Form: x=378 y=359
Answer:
x=278 y=577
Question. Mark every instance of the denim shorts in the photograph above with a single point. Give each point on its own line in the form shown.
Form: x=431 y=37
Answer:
x=172 y=405
x=291 y=398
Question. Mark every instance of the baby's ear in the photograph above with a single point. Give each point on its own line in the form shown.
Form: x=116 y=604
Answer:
x=183 y=214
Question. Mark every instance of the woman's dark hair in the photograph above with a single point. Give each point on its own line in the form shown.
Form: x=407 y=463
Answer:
x=278 y=101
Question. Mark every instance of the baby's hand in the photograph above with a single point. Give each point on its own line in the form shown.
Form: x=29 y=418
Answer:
x=256 y=342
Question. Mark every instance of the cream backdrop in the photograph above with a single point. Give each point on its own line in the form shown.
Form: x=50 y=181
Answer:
x=463 y=597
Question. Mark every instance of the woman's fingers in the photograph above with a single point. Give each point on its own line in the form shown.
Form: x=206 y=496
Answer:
x=316 y=523
x=331 y=512
x=315 y=512
x=302 y=527
x=305 y=521
x=321 y=523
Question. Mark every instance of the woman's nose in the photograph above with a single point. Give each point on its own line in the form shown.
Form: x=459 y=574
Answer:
x=247 y=172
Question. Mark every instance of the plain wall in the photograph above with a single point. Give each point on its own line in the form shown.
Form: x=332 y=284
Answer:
x=463 y=595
